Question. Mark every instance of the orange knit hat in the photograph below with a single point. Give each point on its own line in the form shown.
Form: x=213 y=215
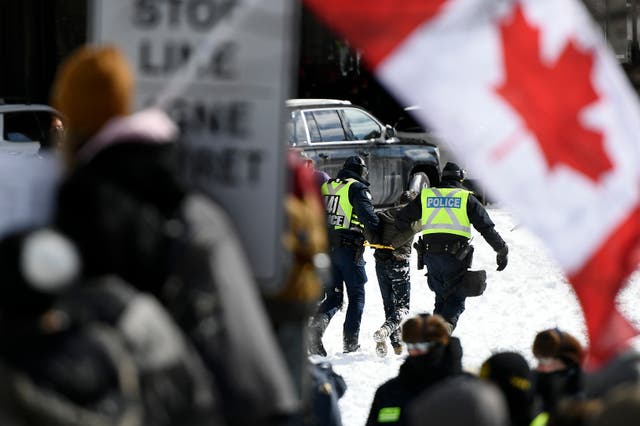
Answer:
x=93 y=85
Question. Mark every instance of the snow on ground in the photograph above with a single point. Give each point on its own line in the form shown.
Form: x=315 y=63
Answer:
x=530 y=295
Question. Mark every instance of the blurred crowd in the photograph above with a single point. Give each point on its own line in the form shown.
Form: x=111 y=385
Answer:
x=433 y=388
x=130 y=301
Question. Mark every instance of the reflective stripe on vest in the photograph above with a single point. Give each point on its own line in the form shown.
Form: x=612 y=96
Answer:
x=340 y=214
x=389 y=415
x=444 y=210
x=541 y=419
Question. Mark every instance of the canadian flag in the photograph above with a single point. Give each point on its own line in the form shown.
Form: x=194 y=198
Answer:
x=528 y=95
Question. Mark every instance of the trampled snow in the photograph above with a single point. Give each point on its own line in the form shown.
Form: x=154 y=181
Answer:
x=530 y=295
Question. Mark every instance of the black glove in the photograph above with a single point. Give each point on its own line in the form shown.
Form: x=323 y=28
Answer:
x=501 y=258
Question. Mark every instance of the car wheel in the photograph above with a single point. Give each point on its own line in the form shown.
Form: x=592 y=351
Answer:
x=417 y=181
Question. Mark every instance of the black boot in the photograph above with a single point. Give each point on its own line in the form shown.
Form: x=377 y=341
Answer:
x=317 y=326
x=350 y=344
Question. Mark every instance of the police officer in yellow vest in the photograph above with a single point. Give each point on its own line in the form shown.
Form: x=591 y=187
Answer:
x=447 y=213
x=349 y=211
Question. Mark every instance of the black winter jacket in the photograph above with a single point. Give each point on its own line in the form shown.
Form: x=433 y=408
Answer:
x=391 y=236
x=417 y=374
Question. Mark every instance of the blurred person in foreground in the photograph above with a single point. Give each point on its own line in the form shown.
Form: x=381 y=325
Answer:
x=122 y=203
x=392 y=256
x=327 y=387
x=306 y=240
x=350 y=211
x=510 y=372
x=459 y=401
x=319 y=175
x=433 y=356
x=621 y=370
x=573 y=412
x=620 y=407
x=446 y=213
x=90 y=352
x=558 y=374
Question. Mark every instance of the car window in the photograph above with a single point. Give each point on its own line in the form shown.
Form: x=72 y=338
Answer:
x=314 y=133
x=297 y=133
x=325 y=126
x=22 y=126
x=48 y=129
x=361 y=125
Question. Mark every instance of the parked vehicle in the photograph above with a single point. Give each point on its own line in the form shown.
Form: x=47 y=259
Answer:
x=25 y=128
x=329 y=131
x=407 y=127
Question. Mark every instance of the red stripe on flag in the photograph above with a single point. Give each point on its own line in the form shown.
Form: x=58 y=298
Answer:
x=597 y=286
x=377 y=27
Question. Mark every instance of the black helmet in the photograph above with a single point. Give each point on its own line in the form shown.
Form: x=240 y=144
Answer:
x=452 y=171
x=357 y=165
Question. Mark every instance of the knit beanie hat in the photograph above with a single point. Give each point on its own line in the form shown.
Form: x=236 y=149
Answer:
x=425 y=328
x=511 y=373
x=509 y=370
x=554 y=343
x=93 y=85
x=453 y=171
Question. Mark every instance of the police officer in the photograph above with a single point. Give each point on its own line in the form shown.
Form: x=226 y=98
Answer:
x=349 y=212
x=447 y=213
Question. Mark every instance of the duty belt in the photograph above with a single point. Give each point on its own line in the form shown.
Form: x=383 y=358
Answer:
x=339 y=239
x=444 y=247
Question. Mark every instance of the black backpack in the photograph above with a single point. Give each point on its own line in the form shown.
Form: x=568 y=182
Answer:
x=80 y=377
x=113 y=357
x=175 y=386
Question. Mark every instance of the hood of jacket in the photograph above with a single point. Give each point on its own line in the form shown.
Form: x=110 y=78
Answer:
x=151 y=126
x=139 y=155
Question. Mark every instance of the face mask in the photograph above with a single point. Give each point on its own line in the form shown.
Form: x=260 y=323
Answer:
x=554 y=385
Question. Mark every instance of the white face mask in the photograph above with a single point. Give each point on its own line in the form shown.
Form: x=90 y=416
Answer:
x=419 y=347
x=549 y=365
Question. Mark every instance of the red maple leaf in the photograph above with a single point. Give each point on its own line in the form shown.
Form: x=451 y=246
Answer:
x=550 y=98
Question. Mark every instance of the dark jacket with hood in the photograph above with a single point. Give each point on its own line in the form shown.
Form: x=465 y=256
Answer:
x=391 y=236
x=129 y=214
x=417 y=374
x=478 y=217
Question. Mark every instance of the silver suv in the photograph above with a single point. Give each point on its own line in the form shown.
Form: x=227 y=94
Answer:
x=329 y=131
x=26 y=128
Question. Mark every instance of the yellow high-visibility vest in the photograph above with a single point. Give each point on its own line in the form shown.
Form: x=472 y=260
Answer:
x=340 y=214
x=444 y=210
